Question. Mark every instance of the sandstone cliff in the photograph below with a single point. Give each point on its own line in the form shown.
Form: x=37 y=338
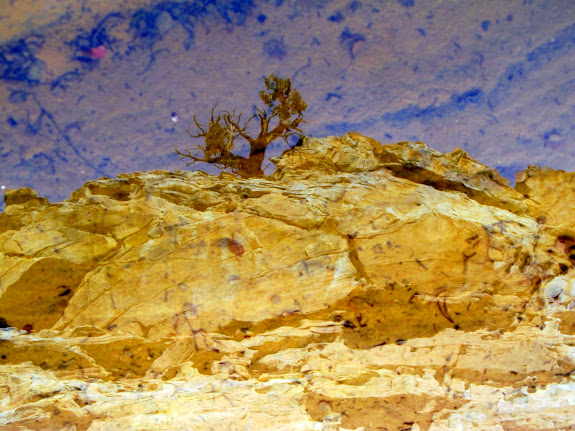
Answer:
x=360 y=286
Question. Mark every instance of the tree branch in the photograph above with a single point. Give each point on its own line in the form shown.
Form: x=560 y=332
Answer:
x=280 y=100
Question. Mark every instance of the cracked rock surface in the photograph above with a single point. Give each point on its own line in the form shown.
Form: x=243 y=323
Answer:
x=360 y=286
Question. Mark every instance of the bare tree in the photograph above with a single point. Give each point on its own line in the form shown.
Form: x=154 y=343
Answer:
x=280 y=118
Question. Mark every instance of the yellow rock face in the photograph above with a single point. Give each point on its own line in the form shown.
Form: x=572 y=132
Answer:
x=360 y=286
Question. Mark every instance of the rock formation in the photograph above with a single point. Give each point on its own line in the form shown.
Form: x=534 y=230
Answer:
x=360 y=286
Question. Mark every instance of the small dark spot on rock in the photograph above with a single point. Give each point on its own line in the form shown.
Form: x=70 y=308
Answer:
x=65 y=292
x=348 y=324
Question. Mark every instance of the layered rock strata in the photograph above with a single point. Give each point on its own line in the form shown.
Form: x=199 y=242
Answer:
x=360 y=286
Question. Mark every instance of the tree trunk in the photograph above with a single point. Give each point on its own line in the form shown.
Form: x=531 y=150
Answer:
x=252 y=166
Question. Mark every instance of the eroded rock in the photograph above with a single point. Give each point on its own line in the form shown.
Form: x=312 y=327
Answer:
x=360 y=286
